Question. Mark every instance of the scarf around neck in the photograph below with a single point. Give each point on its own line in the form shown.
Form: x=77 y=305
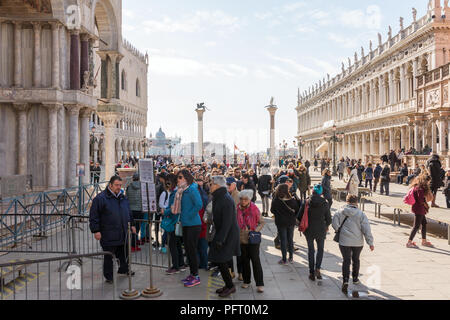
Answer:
x=176 y=207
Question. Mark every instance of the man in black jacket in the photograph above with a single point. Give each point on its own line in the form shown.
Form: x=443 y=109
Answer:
x=226 y=242
x=109 y=218
x=319 y=219
x=385 y=179
x=437 y=176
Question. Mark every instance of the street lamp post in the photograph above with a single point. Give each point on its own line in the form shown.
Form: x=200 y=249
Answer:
x=283 y=146
x=299 y=145
x=336 y=138
x=170 y=146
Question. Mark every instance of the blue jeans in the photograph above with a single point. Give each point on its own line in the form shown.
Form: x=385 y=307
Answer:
x=202 y=253
x=144 y=227
x=315 y=263
x=287 y=241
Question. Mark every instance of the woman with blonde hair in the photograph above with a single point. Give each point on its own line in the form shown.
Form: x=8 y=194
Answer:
x=422 y=195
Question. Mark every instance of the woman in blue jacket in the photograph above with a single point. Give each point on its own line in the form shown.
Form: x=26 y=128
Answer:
x=369 y=175
x=188 y=204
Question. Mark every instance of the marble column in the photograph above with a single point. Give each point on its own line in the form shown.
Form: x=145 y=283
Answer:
x=74 y=145
x=344 y=147
x=410 y=136
x=416 y=136
x=55 y=55
x=391 y=139
x=382 y=150
x=62 y=147
x=63 y=58
x=364 y=146
x=372 y=143
x=18 y=54
x=425 y=134
x=349 y=149
x=404 y=138
x=272 y=111
x=200 y=113
x=37 y=68
x=84 y=64
x=85 y=115
x=75 y=60
x=433 y=136
x=22 y=134
x=442 y=127
x=110 y=120
x=52 y=151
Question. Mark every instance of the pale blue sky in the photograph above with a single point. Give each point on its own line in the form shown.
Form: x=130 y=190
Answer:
x=234 y=55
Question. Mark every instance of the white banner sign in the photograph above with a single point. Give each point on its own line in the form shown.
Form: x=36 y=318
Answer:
x=151 y=197
x=146 y=170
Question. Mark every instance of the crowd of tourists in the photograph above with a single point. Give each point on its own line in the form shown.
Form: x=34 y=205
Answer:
x=209 y=218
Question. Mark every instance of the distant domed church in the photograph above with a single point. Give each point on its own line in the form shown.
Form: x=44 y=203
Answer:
x=161 y=145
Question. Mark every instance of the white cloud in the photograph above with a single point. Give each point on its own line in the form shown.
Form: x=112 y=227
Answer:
x=282 y=72
x=371 y=18
x=293 y=6
x=304 y=29
x=301 y=69
x=176 y=66
x=193 y=23
x=273 y=40
x=210 y=44
x=263 y=15
x=347 y=42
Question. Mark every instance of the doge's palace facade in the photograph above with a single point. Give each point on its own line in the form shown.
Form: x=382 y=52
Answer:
x=381 y=101
x=60 y=73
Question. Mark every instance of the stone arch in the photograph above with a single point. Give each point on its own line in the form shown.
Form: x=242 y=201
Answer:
x=107 y=24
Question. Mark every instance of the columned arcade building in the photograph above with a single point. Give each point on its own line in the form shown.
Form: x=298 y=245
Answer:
x=61 y=63
x=395 y=96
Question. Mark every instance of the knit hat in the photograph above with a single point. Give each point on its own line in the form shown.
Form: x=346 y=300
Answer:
x=283 y=179
x=231 y=180
x=318 y=189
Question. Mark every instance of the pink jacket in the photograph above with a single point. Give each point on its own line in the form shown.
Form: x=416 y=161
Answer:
x=248 y=217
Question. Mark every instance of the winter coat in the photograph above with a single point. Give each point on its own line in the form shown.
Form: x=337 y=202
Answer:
x=353 y=183
x=191 y=204
x=377 y=172
x=326 y=185
x=250 y=217
x=420 y=202
x=110 y=216
x=304 y=181
x=355 y=228
x=264 y=184
x=385 y=174
x=369 y=173
x=284 y=217
x=235 y=197
x=319 y=217
x=435 y=168
x=341 y=167
x=226 y=226
x=134 y=196
x=168 y=213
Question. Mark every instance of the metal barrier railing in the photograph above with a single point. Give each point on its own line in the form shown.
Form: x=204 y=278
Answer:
x=35 y=233
x=74 y=201
x=42 y=279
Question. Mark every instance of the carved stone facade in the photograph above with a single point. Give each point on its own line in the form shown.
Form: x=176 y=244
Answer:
x=60 y=65
x=380 y=102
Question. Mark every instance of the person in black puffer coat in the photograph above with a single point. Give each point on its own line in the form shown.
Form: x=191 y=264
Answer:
x=284 y=208
x=326 y=185
x=319 y=219
x=437 y=175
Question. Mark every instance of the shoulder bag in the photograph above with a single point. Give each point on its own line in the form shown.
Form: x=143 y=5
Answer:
x=179 y=227
x=338 y=232
x=304 y=223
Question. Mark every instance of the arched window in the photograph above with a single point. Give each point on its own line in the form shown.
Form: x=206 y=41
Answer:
x=138 y=88
x=124 y=81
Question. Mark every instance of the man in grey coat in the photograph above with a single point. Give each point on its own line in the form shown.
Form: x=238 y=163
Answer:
x=354 y=228
x=226 y=242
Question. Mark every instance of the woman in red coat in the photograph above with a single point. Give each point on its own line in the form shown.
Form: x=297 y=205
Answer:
x=422 y=195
